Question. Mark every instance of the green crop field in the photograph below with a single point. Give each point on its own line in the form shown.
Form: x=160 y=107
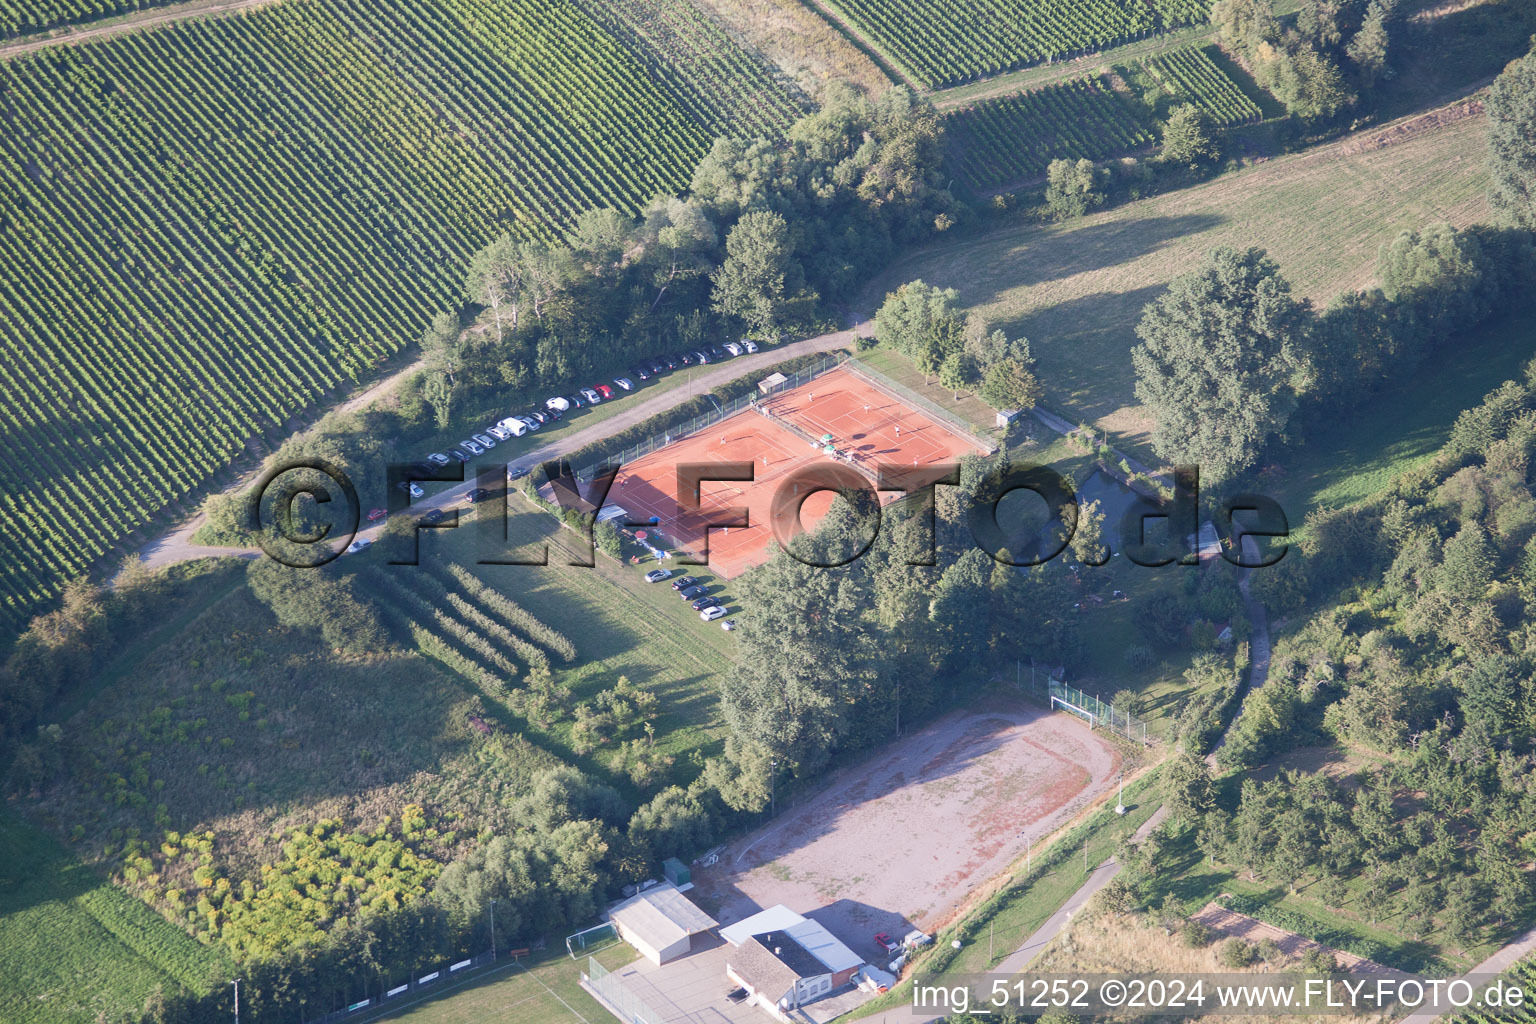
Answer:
x=1192 y=75
x=19 y=17
x=72 y=945
x=243 y=213
x=1014 y=139
x=944 y=42
x=1077 y=290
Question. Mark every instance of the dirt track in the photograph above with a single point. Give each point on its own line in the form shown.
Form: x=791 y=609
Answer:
x=900 y=840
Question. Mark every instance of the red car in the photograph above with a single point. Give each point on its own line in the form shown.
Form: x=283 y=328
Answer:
x=376 y=514
x=886 y=943
x=603 y=389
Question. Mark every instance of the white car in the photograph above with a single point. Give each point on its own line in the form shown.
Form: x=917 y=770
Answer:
x=438 y=458
x=514 y=426
x=657 y=575
x=712 y=613
x=499 y=434
x=358 y=545
x=471 y=447
x=728 y=625
x=485 y=441
x=749 y=344
x=625 y=383
x=557 y=403
x=733 y=348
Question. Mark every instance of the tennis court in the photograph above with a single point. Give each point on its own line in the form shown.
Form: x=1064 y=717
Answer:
x=787 y=433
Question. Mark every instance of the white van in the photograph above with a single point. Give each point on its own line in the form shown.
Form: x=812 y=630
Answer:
x=513 y=426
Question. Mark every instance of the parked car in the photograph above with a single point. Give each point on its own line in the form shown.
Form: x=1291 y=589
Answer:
x=425 y=469
x=684 y=581
x=559 y=403
x=712 y=613
x=886 y=943
x=472 y=447
x=704 y=602
x=358 y=545
x=728 y=625
x=715 y=352
x=687 y=358
x=542 y=415
x=529 y=422
x=576 y=401
x=592 y=397
x=461 y=456
x=668 y=361
x=411 y=487
x=514 y=425
x=435 y=515
x=625 y=383
x=915 y=938
x=603 y=389
x=499 y=432
x=749 y=345
x=438 y=458
x=639 y=370
x=485 y=441
x=733 y=348
x=657 y=575
x=656 y=366
x=375 y=514
x=517 y=472
x=699 y=356
x=689 y=593
x=480 y=494
x=554 y=414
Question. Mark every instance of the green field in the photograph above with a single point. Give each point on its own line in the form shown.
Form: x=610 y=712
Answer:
x=72 y=945
x=266 y=207
x=1404 y=425
x=1077 y=290
x=546 y=990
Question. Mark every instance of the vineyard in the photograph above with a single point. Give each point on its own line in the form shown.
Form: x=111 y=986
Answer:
x=1191 y=76
x=238 y=215
x=1014 y=139
x=21 y=17
x=939 y=43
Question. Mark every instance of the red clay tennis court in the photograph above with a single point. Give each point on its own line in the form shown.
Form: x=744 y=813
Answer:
x=867 y=427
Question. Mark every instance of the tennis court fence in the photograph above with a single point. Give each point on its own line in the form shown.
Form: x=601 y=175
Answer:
x=704 y=421
x=902 y=393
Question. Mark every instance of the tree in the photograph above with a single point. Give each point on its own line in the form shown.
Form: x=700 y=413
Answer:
x=495 y=279
x=956 y=372
x=1468 y=563
x=1219 y=353
x=761 y=283
x=1511 y=109
x=1087 y=544
x=1009 y=385
x=1188 y=787
x=923 y=323
x=1188 y=138
x=1368 y=49
x=680 y=240
x=1072 y=189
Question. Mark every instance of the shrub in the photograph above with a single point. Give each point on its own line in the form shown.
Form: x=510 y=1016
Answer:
x=1195 y=934
x=1238 y=953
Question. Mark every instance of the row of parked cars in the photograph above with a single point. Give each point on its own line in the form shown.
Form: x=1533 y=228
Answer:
x=556 y=406
x=696 y=592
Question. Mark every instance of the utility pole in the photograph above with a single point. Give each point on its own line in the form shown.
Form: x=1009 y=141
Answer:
x=237 y=1001
x=1120 y=801
x=773 y=789
x=493 y=930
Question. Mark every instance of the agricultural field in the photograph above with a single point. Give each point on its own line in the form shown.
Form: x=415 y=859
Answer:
x=1077 y=290
x=21 y=17
x=301 y=183
x=1192 y=75
x=941 y=43
x=73 y=945
x=1013 y=140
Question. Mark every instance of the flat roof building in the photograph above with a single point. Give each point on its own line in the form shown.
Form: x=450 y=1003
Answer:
x=785 y=960
x=660 y=923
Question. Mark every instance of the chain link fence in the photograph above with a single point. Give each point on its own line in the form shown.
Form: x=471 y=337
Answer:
x=424 y=983
x=620 y=1001
x=694 y=424
x=906 y=395
x=1097 y=713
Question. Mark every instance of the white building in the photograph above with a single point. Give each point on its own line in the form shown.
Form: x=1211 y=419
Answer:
x=660 y=923
x=785 y=960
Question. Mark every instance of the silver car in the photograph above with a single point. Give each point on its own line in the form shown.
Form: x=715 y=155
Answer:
x=471 y=447
x=485 y=441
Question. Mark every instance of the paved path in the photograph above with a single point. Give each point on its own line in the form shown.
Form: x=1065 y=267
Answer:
x=177 y=546
x=1517 y=949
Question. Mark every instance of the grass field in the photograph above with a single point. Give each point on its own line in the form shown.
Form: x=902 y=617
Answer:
x=1077 y=290
x=1400 y=427
x=546 y=991
x=72 y=945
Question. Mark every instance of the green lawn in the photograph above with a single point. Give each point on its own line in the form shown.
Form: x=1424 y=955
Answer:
x=1401 y=427
x=72 y=945
x=546 y=990
x=1077 y=290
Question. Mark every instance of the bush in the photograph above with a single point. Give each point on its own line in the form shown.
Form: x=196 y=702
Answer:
x=1238 y=953
x=1195 y=934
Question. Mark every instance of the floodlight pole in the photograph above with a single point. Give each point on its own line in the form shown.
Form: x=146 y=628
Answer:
x=773 y=789
x=493 y=931
x=1120 y=802
x=237 y=1001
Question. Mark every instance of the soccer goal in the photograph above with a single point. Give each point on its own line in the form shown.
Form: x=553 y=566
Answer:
x=1080 y=712
x=590 y=940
